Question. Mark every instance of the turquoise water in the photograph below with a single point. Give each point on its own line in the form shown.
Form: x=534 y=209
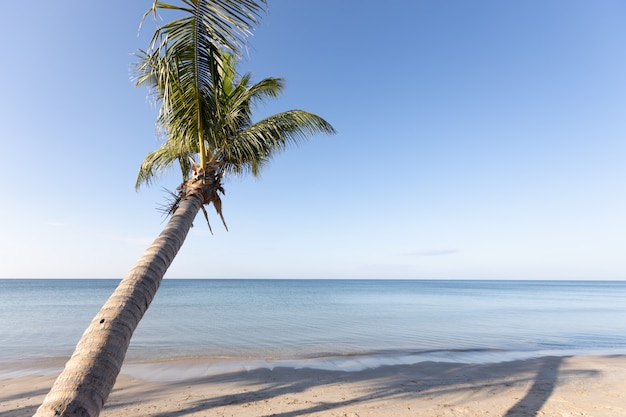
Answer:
x=287 y=320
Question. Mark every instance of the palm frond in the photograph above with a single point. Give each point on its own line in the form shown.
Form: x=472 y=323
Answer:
x=160 y=160
x=251 y=148
x=205 y=106
x=186 y=62
x=224 y=23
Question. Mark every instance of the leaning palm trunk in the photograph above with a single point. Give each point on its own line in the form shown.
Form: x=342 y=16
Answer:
x=206 y=118
x=84 y=385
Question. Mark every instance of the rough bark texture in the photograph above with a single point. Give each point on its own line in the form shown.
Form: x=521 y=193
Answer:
x=88 y=377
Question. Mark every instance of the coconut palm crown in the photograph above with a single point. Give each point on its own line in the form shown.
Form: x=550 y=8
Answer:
x=206 y=110
x=233 y=143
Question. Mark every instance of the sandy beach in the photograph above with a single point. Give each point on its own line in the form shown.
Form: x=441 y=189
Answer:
x=552 y=386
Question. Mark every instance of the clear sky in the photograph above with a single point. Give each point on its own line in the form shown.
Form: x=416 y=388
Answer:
x=478 y=140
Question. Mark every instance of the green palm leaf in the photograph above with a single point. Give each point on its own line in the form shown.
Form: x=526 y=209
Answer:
x=229 y=136
x=206 y=108
x=183 y=64
x=223 y=23
x=251 y=148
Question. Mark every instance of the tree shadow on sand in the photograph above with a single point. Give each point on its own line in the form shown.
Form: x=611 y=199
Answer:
x=425 y=381
x=25 y=409
x=542 y=388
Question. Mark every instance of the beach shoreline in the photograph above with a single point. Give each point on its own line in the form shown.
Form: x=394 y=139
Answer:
x=546 y=386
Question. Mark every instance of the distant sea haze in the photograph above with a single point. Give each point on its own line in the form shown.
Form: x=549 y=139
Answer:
x=338 y=322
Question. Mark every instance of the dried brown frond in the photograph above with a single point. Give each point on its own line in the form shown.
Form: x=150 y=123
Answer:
x=172 y=201
x=206 y=216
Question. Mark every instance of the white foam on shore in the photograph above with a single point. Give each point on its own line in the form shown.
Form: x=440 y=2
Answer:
x=181 y=369
x=195 y=368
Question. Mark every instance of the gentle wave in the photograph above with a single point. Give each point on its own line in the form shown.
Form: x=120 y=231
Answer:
x=341 y=323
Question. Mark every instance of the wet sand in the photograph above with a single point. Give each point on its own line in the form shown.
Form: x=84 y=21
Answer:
x=561 y=387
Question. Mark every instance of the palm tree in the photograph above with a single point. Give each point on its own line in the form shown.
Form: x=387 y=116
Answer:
x=205 y=116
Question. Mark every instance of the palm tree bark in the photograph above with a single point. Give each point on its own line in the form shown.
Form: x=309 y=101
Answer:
x=88 y=377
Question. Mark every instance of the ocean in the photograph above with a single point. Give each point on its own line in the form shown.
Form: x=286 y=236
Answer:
x=338 y=324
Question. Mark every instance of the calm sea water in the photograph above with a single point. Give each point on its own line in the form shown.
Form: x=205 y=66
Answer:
x=318 y=320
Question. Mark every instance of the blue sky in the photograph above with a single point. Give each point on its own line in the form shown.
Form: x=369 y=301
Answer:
x=478 y=140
